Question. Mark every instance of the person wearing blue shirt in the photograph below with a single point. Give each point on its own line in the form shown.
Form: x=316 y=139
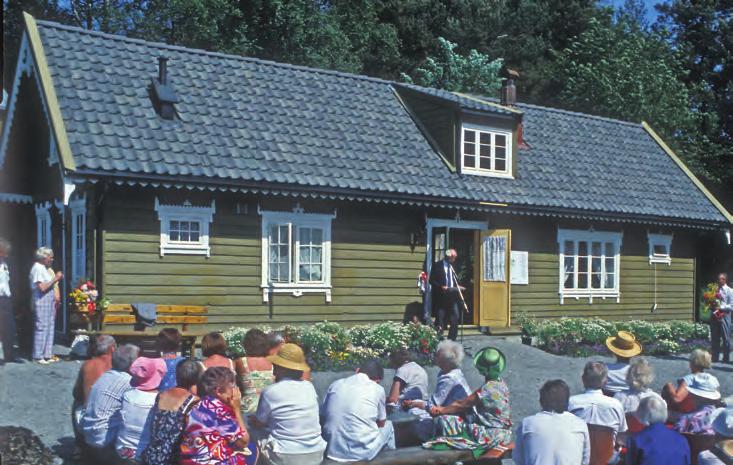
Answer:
x=656 y=444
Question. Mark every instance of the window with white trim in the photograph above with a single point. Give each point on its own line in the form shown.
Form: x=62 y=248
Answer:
x=78 y=240
x=486 y=151
x=296 y=253
x=589 y=263
x=43 y=225
x=660 y=246
x=184 y=229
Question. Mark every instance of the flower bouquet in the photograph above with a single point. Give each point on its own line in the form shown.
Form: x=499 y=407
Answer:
x=85 y=297
x=712 y=298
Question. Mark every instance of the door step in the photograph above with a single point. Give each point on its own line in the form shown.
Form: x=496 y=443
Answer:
x=474 y=330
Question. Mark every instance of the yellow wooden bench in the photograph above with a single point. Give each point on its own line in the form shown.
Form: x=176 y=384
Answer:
x=419 y=456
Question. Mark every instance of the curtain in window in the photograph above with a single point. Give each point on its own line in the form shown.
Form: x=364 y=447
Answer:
x=279 y=253
x=495 y=258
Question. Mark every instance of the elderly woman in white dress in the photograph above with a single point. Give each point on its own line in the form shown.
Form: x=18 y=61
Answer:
x=44 y=305
x=451 y=386
x=639 y=377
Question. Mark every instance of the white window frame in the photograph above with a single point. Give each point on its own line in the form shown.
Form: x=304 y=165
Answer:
x=589 y=236
x=296 y=220
x=663 y=240
x=43 y=225
x=78 y=250
x=484 y=172
x=185 y=212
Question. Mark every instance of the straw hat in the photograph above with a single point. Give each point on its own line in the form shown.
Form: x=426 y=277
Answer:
x=704 y=385
x=490 y=362
x=726 y=449
x=623 y=344
x=147 y=373
x=290 y=356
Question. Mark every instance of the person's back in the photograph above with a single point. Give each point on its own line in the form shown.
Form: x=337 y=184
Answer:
x=352 y=408
x=658 y=445
x=415 y=379
x=550 y=437
x=289 y=408
x=592 y=406
x=101 y=420
x=137 y=423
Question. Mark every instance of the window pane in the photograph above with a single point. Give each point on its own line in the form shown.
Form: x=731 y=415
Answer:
x=469 y=148
x=609 y=282
x=469 y=135
x=610 y=249
x=485 y=163
x=317 y=236
x=500 y=165
x=499 y=140
x=174 y=225
x=469 y=162
x=610 y=265
x=582 y=248
x=485 y=151
x=316 y=274
x=582 y=280
x=582 y=263
x=174 y=235
x=596 y=247
x=485 y=138
x=569 y=248
x=500 y=152
x=305 y=235
x=305 y=256
x=660 y=249
x=195 y=226
x=195 y=237
x=569 y=267
x=596 y=265
x=595 y=281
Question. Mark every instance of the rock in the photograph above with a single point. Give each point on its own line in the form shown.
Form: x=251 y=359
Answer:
x=20 y=446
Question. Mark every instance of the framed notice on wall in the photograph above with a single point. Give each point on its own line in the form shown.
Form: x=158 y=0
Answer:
x=519 y=267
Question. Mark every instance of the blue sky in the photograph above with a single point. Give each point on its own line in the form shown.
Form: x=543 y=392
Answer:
x=651 y=13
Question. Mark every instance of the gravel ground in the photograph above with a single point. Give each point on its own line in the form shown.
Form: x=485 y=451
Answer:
x=39 y=397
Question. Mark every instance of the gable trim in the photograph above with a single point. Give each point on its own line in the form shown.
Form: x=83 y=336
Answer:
x=687 y=171
x=22 y=66
x=48 y=91
x=489 y=103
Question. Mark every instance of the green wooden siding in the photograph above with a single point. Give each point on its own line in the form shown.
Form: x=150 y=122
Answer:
x=373 y=267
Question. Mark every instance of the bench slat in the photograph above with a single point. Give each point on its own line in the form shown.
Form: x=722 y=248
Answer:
x=179 y=309
x=162 y=319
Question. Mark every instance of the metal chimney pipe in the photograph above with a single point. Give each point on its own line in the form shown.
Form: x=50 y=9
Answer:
x=163 y=70
x=508 y=93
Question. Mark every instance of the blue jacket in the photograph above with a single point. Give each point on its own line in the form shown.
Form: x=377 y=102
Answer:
x=657 y=445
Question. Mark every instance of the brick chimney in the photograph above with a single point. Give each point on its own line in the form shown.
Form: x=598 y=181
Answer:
x=508 y=89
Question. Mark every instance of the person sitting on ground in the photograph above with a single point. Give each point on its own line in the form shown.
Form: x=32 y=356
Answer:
x=254 y=370
x=215 y=432
x=482 y=420
x=137 y=406
x=410 y=380
x=289 y=410
x=593 y=406
x=656 y=444
x=214 y=350
x=169 y=347
x=722 y=422
x=102 y=418
x=705 y=395
x=624 y=346
x=355 y=415
x=677 y=397
x=554 y=435
x=451 y=386
x=169 y=415
x=639 y=377
x=95 y=367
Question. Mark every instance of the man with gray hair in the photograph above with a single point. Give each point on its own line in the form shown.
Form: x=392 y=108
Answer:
x=445 y=294
x=102 y=418
x=656 y=444
x=101 y=361
x=593 y=406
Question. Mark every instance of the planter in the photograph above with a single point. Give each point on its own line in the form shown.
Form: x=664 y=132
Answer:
x=92 y=320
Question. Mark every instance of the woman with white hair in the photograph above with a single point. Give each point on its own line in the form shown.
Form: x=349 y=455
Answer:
x=452 y=386
x=639 y=377
x=656 y=444
x=44 y=306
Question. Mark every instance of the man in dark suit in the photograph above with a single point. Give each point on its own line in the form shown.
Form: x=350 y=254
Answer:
x=444 y=293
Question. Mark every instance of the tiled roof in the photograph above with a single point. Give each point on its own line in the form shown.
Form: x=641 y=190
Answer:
x=254 y=122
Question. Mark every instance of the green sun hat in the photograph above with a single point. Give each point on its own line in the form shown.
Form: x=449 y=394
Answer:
x=490 y=362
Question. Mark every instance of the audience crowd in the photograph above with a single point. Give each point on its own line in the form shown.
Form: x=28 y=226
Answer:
x=262 y=408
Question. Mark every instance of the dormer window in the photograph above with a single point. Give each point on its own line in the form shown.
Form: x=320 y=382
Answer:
x=486 y=151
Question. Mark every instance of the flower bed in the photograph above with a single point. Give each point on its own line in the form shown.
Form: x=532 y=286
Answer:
x=582 y=337
x=330 y=346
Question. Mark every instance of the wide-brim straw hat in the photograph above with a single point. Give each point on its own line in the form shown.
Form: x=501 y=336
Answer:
x=147 y=373
x=490 y=362
x=624 y=344
x=290 y=356
x=704 y=385
x=726 y=447
x=722 y=421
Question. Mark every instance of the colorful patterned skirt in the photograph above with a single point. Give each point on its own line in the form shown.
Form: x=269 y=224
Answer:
x=455 y=432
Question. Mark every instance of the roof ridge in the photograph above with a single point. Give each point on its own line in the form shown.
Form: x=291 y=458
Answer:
x=578 y=113
x=198 y=51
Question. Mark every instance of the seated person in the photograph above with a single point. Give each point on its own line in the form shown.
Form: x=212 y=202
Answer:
x=483 y=419
x=102 y=418
x=410 y=380
x=677 y=397
x=95 y=367
x=704 y=392
x=137 y=406
x=215 y=431
x=169 y=415
x=289 y=410
x=214 y=349
x=169 y=347
x=451 y=386
x=553 y=435
x=593 y=406
x=656 y=444
x=254 y=371
x=722 y=422
x=355 y=415
x=623 y=346
x=639 y=377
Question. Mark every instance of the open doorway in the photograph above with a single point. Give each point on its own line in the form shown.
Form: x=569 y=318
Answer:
x=463 y=240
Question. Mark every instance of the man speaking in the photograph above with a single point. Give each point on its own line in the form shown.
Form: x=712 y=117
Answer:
x=445 y=294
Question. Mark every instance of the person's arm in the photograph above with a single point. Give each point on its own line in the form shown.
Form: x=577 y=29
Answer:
x=394 y=392
x=586 y=447
x=78 y=391
x=456 y=407
x=518 y=451
x=235 y=402
x=679 y=394
x=262 y=417
x=632 y=452
x=726 y=303
x=381 y=409
x=45 y=286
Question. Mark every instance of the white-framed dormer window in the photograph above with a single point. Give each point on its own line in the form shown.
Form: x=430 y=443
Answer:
x=660 y=246
x=184 y=229
x=486 y=151
x=78 y=239
x=296 y=253
x=589 y=264
x=43 y=225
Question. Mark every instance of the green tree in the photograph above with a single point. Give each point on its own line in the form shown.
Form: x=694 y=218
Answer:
x=475 y=72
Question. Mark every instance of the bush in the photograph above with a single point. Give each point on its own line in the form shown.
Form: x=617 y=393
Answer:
x=586 y=336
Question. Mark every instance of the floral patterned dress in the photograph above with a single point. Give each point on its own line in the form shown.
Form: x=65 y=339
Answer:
x=165 y=434
x=253 y=382
x=210 y=434
x=487 y=426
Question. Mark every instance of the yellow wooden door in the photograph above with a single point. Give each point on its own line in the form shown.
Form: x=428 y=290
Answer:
x=494 y=277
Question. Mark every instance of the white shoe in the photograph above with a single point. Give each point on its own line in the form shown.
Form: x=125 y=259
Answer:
x=42 y=361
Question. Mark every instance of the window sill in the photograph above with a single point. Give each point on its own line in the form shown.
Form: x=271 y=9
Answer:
x=296 y=290
x=590 y=295
x=660 y=261
x=489 y=174
x=174 y=249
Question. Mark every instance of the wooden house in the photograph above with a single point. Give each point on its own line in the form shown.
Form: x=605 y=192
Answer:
x=274 y=193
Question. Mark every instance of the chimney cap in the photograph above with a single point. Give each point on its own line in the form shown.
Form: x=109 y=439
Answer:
x=511 y=73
